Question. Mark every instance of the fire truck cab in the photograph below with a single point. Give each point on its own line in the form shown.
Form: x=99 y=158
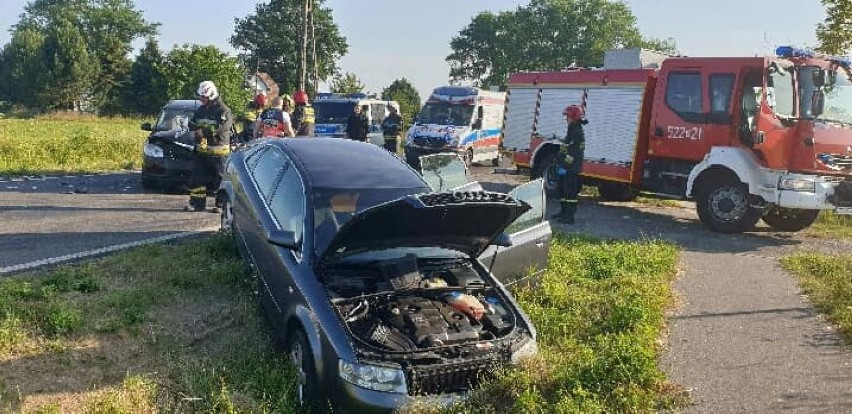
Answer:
x=746 y=138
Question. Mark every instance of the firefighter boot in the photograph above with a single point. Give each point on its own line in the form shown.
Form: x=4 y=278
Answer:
x=566 y=211
x=197 y=199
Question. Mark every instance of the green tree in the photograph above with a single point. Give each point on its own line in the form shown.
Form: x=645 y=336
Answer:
x=270 y=40
x=544 y=35
x=147 y=89
x=22 y=67
x=346 y=83
x=71 y=70
x=189 y=65
x=403 y=92
x=833 y=34
x=108 y=28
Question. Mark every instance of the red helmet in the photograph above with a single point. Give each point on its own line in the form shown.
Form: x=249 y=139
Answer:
x=574 y=112
x=260 y=100
x=300 y=97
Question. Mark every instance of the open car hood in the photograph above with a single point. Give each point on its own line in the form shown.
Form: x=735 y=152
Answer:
x=465 y=221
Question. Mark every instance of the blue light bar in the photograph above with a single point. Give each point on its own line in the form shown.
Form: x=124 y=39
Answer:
x=790 y=51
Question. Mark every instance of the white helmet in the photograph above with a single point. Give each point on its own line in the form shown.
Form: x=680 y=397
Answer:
x=207 y=89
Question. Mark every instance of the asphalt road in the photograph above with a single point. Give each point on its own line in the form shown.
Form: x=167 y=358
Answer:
x=742 y=339
x=58 y=219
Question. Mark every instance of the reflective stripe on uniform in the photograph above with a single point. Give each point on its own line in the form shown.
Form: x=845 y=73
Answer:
x=198 y=192
x=217 y=150
x=309 y=117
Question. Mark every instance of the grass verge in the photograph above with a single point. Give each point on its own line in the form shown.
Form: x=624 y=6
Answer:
x=175 y=328
x=73 y=145
x=600 y=312
x=827 y=280
x=831 y=226
x=159 y=328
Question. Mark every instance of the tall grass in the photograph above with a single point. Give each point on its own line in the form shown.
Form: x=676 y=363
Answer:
x=66 y=144
x=827 y=280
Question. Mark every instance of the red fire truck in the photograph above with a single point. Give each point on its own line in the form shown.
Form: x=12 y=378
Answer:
x=746 y=138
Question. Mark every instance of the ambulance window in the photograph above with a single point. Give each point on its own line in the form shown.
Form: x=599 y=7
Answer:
x=721 y=88
x=683 y=95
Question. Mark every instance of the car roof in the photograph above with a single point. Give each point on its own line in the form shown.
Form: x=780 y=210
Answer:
x=182 y=104
x=343 y=163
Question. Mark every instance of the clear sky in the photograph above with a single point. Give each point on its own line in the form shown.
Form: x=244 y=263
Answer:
x=390 y=39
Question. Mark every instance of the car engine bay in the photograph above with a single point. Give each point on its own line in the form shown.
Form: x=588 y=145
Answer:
x=409 y=305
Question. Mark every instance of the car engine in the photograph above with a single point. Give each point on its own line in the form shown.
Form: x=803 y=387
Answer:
x=441 y=304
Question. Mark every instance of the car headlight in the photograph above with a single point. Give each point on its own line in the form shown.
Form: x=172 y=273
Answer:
x=526 y=350
x=374 y=377
x=796 y=184
x=153 y=151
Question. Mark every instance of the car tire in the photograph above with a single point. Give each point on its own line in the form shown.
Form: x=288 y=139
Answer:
x=724 y=207
x=299 y=351
x=617 y=192
x=790 y=219
x=495 y=162
x=552 y=183
x=226 y=218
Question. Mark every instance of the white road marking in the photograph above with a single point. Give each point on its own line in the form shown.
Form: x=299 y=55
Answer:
x=102 y=250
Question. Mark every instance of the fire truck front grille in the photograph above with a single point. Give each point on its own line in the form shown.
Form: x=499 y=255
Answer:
x=449 y=378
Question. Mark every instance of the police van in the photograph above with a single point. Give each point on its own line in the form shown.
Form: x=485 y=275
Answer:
x=333 y=109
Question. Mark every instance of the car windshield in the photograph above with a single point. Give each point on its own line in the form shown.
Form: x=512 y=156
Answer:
x=332 y=112
x=333 y=207
x=443 y=171
x=838 y=94
x=174 y=119
x=444 y=113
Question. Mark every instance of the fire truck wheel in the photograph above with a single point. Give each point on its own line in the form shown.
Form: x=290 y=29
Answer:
x=724 y=207
x=616 y=192
x=790 y=219
x=552 y=183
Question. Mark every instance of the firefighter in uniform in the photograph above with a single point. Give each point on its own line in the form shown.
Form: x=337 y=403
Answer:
x=274 y=122
x=569 y=163
x=391 y=128
x=357 y=125
x=303 y=116
x=212 y=124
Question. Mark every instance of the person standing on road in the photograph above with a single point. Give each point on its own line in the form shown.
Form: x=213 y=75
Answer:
x=274 y=122
x=569 y=163
x=391 y=128
x=303 y=116
x=212 y=124
x=357 y=125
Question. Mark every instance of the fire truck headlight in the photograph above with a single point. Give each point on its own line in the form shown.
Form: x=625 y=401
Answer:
x=797 y=184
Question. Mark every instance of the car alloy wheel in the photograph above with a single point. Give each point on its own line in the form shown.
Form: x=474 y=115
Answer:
x=226 y=218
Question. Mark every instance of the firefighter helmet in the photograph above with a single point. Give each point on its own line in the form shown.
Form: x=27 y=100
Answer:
x=288 y=101
x=300 y=97
x=207 y=89
x=260 y=100
x=574 y=112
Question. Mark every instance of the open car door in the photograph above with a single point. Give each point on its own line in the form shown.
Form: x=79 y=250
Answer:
x=530 y=236
x=445 y=172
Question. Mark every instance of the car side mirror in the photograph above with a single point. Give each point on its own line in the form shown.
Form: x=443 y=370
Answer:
x=283 y=238
x=817 y=103
x=147 y=127
x=819 y=76
x=503 y=240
